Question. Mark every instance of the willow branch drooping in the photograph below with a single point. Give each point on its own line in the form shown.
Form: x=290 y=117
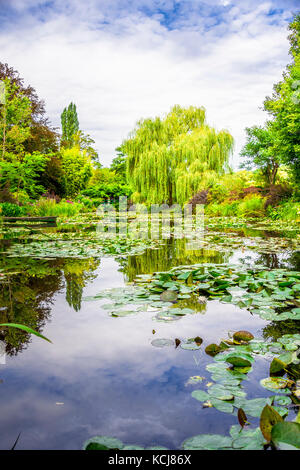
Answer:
x=169 y=159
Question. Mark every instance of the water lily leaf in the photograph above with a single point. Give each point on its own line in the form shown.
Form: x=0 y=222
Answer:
x=220 y=392
x=162 y=342
x=252 y=407
x=168 y=296
x=190 y=346
x=207 y=442
x=198 y=340
x=249 y=440
x=221 y=405
x=102 y=443
x=282 y=400
x=133 y=447
x=286 y=433
x=243 y=336
x=200 y=395
x=276 y=383
x=156 y=448
x=242 y=418
x=212 y=349
x=238 y=359
x=269 y=417
x=276 y=366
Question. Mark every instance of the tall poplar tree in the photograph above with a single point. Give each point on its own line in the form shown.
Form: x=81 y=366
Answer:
x=169 y=159
x=69 y=125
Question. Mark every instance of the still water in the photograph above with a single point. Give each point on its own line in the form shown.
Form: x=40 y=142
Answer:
x=101 y=375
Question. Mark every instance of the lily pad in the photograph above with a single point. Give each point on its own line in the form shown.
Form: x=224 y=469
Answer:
x=102 y=443
x=207 y=442
x=162 y=342
x=286 y=433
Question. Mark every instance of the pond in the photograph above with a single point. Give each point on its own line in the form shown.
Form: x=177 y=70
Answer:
x=105 y=373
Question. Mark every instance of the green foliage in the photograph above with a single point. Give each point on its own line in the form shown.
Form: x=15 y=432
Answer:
x=86 y=143
x=24 y=175
x=15 y=115
x=107 y=191
x=289 y=211
x=251 y=206
x=25 y=328
x=77 y=170
x=261 y=151
x=49 y=207
x=7 y=209
x=168 y=159
x=119 y=164
x=225 y=209
x=104 y=176
x=69 y=125
x=43 y=137
x=284 y=107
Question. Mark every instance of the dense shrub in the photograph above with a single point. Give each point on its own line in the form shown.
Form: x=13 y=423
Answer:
x=289 y=211
x=225 y=209
x=49 y=207
x=107 y=192
x=251 y=206
x=9 y=209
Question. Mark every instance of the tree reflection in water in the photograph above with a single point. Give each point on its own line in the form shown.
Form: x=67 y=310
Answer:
x=26 y=295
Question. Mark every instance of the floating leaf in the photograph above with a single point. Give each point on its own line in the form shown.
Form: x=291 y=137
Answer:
x=200 y=395
x=243 y=336
x=286 y=433
x=275 y=383
x=102 y=443
x=168 y=296
x=269 y=417
x=242 y=417
x=207 y=442
x=212 y=349
x=162 y=342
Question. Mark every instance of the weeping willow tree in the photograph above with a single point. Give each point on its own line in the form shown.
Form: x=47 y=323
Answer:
x=170 y=159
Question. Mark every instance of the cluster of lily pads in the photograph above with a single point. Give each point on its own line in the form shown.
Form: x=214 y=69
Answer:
x=81 y=248
x=272 y=294
x=231 y=240
x=225 y=393
x=132 y=299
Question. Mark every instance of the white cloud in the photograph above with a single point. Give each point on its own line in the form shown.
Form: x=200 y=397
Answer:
x=136 y=67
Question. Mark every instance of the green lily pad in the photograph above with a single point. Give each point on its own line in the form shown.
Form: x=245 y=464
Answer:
x=286 y=433
x=275 y=383
x=207 y=442
x=200 y=395
x=162 y=342
x=102 y=443
x=168 y=296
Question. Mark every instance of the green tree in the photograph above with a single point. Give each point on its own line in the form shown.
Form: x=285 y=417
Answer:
x=69 y=125
x=261 y=151
x=168 y=160
x=15 y=112
x=86 y=143
x=118 y=164
x=24 y=175
x=77 y=170
x=43 y=137
x=284 y=106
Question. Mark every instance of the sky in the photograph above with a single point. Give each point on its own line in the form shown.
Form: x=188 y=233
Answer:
x=123 y=60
